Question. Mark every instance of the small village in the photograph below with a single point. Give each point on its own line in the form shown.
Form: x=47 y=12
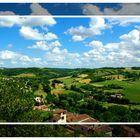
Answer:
x=62 y=116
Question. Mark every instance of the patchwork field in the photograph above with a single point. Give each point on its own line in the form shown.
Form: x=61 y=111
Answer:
x=67 y=81
x=131 y=89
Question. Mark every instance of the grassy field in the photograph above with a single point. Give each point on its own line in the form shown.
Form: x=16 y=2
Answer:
x=68 y=81
x=131 y=89
x=40 y=92
x=106 y=105
x=26 y=75
x=114 y=90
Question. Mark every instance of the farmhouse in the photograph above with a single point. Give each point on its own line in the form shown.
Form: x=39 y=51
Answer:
x=39 y=100
x=117 y=95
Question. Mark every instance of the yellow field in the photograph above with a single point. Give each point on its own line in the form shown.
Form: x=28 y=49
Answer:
x=59 y=89
x=59 y=86
x=85 y=81
x=26 y=75
x=83 y=75
x=116 y=77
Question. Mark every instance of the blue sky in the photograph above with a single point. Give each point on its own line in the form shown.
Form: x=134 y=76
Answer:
x=69 y=8
x=69 y=42
x=53 y=8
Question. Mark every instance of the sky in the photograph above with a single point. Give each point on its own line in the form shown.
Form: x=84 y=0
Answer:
x=69 y=9
x=69 y=42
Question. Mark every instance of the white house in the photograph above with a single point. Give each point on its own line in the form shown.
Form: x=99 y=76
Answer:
x=38 y=99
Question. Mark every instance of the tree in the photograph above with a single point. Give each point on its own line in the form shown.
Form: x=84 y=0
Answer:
x=64 y=104
x=50 y=98
x=46 y=88
x=46 y=116
x=17 y=101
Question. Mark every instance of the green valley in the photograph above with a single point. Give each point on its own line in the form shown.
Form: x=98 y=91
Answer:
x=107 y=94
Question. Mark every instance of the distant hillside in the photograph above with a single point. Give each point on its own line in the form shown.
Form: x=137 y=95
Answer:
x=61 y=72
x=39 y=72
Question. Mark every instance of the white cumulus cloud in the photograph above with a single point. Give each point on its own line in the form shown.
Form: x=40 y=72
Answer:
x=43 y=45
x=34 y=34
x=37 y=9
x=125 y=9
x=80 y=33
x=18 y=59
x=62 y=58
x=125 y=53
x=26 y=21
x=124 y=21
x=3 y=13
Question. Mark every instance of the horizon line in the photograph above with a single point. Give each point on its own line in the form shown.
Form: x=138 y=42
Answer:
x=67 y=68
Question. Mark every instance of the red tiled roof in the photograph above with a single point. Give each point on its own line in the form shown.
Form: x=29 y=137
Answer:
x=58 y=111
x=103 y=128
x=41 y=107
x=71 y=117
x=91 y=120
x=56 y=118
